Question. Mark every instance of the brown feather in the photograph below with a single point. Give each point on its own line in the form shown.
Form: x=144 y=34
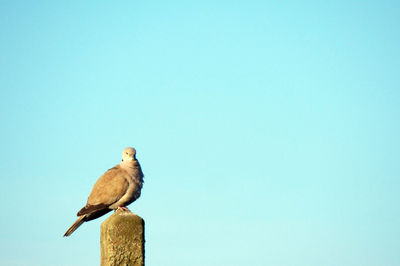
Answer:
x=91 y=209
x=109 y=188
x=75 y=225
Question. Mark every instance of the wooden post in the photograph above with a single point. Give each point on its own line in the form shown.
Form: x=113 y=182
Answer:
x=122 y=240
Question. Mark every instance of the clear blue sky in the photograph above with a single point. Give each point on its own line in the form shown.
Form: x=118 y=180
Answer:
x=268 y=131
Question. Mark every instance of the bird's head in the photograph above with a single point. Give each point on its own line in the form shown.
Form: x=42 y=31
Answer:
x=129 y=154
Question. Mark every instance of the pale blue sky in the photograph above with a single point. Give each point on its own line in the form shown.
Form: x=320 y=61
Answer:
x=268 y=132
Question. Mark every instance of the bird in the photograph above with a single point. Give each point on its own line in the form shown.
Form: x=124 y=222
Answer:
x=115 y=189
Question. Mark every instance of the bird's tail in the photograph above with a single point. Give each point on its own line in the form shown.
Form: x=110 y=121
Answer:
x=75 y=226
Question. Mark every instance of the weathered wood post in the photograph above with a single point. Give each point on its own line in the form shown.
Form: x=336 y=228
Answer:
x=122 y=240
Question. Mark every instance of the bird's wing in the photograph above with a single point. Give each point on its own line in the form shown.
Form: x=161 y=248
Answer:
x=109 y=188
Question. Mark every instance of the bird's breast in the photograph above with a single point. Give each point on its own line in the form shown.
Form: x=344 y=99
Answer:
x=134 y=177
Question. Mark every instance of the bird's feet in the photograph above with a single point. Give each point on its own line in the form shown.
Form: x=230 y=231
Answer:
x=123 y=208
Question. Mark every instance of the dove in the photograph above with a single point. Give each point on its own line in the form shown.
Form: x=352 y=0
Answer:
x=116 y=188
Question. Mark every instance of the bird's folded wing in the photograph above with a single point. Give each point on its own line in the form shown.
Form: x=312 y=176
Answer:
x=110 y=187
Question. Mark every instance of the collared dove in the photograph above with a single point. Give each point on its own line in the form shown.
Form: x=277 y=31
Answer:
x=116 y=188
